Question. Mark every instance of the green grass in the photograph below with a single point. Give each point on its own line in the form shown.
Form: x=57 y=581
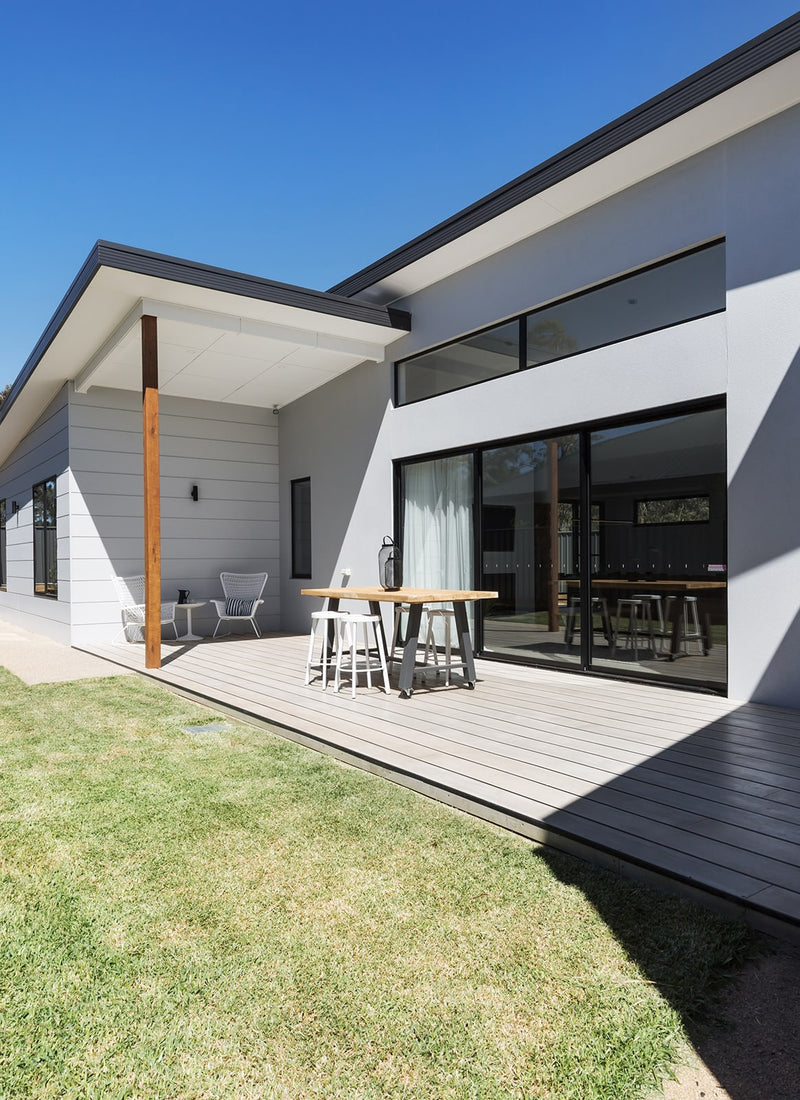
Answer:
x=234 y=916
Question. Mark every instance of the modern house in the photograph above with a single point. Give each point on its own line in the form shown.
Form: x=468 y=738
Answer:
x=581 y=392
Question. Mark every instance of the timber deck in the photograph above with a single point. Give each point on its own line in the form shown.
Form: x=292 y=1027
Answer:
x=693 y=791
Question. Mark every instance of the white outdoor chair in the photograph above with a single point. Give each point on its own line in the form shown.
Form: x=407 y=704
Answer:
x=242 y=599
x=130 y=591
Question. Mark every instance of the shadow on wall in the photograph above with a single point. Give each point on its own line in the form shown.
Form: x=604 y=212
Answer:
x=762 y=506
x=720 y=810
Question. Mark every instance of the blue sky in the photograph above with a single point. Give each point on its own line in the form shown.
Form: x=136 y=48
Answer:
x=301 y=141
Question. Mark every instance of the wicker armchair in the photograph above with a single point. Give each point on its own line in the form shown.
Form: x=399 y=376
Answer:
x=130 y=591
x=242 y=599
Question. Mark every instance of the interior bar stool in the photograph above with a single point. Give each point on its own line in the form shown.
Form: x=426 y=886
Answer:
x=348 y=626
x=636 y=611
x=447 y=616
x=690 y=627
x=599 y=606
x=324 y=619
x=657 y=608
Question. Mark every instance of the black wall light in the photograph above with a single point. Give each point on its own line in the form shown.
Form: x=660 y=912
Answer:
x=195 y=495
x=14 y=507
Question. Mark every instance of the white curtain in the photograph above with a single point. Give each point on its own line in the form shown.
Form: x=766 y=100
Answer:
x=437 y=527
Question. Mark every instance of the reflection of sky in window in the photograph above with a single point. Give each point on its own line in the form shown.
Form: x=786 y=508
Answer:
x=689 y=286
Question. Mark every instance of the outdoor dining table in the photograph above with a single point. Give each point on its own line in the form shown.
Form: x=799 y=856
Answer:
x=416 y=599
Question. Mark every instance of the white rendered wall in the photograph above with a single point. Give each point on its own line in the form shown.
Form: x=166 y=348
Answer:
x=229 y=451
x=345 y=436
x=763 y=200
x=41 y=455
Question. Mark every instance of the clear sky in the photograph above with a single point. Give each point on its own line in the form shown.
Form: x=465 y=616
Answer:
x=301 y=140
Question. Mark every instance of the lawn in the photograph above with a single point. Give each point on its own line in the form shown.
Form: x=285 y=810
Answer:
x=225 y=914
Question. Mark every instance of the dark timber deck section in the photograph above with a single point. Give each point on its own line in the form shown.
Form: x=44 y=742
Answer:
x=680 y=788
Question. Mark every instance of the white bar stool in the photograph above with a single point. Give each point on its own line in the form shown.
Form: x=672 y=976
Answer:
x=326 y=659
x=447 y=616
x=349 y=625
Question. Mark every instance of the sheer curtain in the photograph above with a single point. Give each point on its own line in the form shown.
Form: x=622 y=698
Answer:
x=437 y=526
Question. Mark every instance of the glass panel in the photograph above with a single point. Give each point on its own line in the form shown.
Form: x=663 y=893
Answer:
x=301 y=527
x=530 y=518
x=686 y=287
x=437 y=523
x=45 y=546
x=487 y=355
x=661 y=581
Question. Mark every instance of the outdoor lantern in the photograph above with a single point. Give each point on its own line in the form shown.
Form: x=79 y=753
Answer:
x=390 y=565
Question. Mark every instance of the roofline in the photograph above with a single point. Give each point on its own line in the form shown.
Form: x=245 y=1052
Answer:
x=740 y=64
x=158 y=265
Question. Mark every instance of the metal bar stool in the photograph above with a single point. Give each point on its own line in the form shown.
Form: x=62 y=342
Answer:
x=326 y=619
x=636 y=610
x=599 y=605
x=349 y=625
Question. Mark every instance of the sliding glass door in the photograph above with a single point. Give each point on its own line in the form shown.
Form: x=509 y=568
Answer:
x=660 y=490
x=530 y=533
x=606 y=545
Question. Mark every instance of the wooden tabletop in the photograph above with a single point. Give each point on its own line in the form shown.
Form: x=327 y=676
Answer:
x=400 y=595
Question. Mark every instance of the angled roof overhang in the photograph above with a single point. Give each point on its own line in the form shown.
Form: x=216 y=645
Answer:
x=752 y=83
x=222 y=335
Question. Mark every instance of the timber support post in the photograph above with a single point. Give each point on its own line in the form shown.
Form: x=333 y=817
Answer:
x=152 y=494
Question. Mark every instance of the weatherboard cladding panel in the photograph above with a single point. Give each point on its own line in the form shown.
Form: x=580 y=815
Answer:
x=741 y=64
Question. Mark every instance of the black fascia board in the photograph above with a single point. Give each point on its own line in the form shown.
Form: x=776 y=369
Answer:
x=740 y=64
x=139 y=261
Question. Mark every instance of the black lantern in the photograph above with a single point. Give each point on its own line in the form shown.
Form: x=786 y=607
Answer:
x=390 y=565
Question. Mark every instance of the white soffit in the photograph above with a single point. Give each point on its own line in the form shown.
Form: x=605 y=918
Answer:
x=213 y=345
x=746 y=104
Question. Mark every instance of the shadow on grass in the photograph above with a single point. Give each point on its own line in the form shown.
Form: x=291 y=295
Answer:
x=719 y=809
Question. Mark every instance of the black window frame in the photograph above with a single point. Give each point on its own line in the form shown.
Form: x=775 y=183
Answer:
x=301 y=531
x=522 y=320
x=48 y=565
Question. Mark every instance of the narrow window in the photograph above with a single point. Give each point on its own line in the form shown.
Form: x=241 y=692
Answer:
x=2 y=544
x=301 y=527
x=45 y=560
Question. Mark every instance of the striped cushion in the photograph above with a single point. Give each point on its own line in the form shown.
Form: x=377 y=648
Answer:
x=235 y=605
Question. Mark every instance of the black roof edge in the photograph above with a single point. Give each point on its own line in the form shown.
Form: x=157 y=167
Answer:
x=223 y=279
x=740 y=64
x=127 y=258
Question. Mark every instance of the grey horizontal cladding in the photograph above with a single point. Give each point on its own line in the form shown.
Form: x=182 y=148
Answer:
x=740 y=64
x=176 y=270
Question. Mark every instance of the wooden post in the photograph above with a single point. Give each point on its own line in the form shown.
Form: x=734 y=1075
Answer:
x=152 y=494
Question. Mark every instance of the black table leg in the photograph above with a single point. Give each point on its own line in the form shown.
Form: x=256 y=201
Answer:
x=406 y=681
x=333 y=605
x=375 y=609
x=464 y=642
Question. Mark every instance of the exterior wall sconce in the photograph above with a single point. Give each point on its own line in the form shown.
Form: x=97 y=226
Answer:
x=14 y=507
x=195 y=495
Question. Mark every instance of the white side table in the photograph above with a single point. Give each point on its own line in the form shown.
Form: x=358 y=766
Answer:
x=189 y=608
